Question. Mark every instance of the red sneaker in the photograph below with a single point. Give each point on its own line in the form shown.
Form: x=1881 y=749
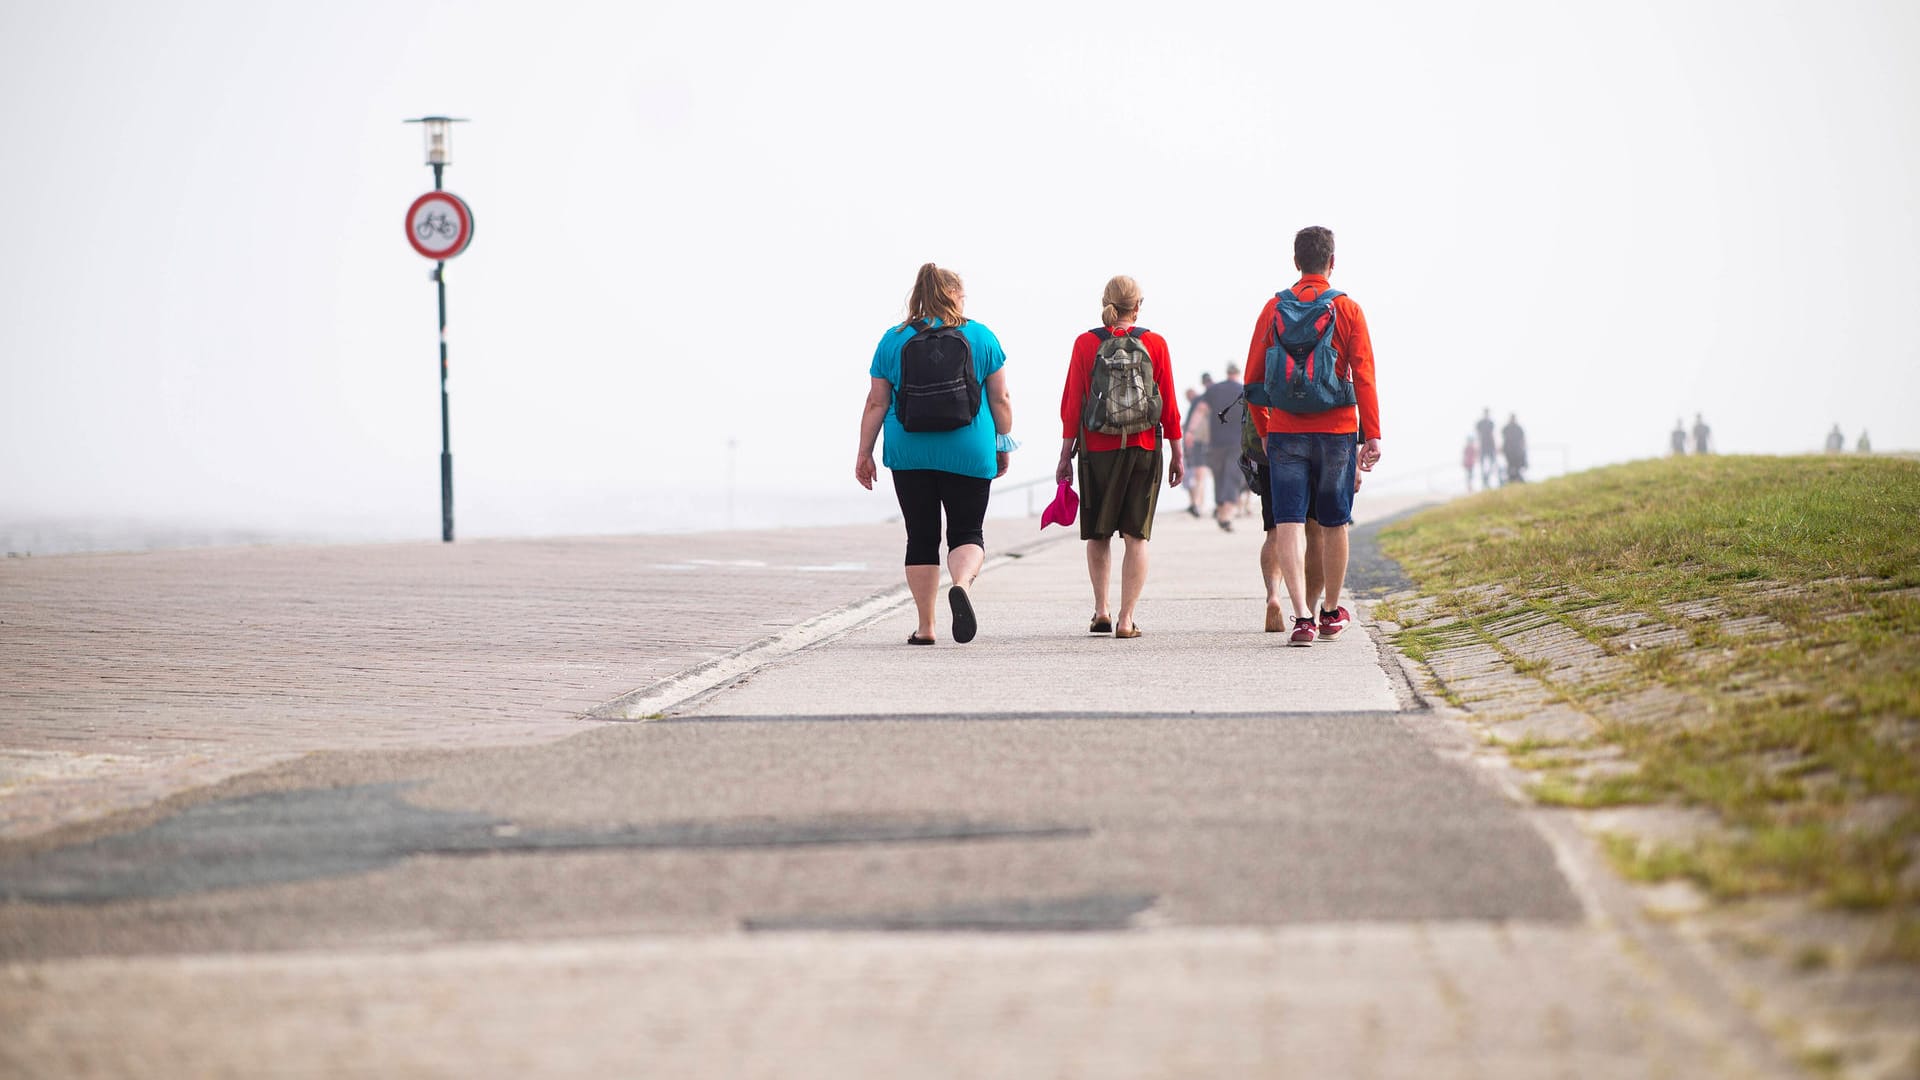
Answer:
x=1332 y=622
x=1302 y=632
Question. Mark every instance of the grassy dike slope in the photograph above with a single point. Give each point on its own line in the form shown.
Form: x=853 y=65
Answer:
x=1739 y=636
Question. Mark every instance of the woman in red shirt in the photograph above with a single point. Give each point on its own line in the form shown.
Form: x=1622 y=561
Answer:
x=1120 y=401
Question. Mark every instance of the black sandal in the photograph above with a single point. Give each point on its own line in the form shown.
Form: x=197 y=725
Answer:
x=915 y=639
x=965 y=625
x=1100 y=626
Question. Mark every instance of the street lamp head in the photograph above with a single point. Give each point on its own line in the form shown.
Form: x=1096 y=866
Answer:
x=439 y=136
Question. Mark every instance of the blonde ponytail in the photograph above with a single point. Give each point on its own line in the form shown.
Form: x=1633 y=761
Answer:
x=932 y=296
x=1120 y=302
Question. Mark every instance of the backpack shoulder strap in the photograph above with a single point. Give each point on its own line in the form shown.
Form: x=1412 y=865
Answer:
x=1286 y=294
x=1330 y=295
x=1136 y=331
x=1101 y=332
x=918 y=325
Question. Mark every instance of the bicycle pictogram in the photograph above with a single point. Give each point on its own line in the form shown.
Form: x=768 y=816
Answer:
x=436 y=222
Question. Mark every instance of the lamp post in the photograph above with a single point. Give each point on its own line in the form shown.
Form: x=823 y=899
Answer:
x=439 y=226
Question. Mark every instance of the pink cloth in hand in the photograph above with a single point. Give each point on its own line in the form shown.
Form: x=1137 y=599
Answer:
x=1063 y=509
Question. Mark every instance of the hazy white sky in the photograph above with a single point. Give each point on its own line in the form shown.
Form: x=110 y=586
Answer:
x=694 y=221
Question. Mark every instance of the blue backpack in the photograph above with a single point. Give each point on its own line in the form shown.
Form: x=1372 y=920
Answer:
x=1304 y=371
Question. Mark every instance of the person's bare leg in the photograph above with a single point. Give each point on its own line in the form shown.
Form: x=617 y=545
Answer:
x=1316 y=568
x=1270 y=577
x=1100 y=572
x=1133 y=578
x=963 y=564
x=1293 y=564
x=1334 y=557
x=924 y=581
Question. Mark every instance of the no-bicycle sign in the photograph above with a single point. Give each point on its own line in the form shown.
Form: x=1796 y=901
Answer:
x=439 y=225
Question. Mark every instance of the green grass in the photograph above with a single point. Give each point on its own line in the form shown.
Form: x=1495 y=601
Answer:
x=1790 y=730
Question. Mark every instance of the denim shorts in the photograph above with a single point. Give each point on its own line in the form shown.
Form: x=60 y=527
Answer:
x=1312 y=472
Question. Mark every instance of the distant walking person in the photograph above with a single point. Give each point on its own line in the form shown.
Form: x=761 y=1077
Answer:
x=1118 y=404
x=1678 y=440
x=1513 y=445
x=1836 y=442
x=1865 y=445
x=1225 y=409
x=929 y=375
x=1311 y=387
x=1469 y=457
x=1196 y=439
x=1483 y=427
x=1702 y=435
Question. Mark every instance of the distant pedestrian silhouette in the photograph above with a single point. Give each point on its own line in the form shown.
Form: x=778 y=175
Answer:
x=1488 y=466
x=1702 y=436
x=1226 y=406
x=1678 y=440
x=1199 y=428
x=1865 y=445
x=1469 y=457
x=1513 y=444
x=1836 y=442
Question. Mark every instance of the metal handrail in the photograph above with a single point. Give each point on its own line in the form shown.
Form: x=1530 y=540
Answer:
x=1043 y=483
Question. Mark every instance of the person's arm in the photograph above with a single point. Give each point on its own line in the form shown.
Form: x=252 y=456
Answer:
x=1257 y=364
x=1169 y=410
x=1073 y=399
x=1000 y=403
x=1063 y=472
x=1359 y=350
x=879 y=396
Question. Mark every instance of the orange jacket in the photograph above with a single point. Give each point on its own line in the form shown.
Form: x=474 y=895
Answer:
x=1356 y=350
x=1073 y=398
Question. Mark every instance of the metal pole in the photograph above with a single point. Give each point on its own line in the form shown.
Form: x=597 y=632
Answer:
x=446 y=433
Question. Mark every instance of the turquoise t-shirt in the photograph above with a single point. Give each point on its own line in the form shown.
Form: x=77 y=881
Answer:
x=967 y=451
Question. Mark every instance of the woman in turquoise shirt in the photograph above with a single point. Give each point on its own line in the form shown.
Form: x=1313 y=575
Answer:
x=939 y=470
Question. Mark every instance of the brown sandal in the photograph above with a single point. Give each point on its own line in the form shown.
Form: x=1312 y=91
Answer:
x=1130 y=632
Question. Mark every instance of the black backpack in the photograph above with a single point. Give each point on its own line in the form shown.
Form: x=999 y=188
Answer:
x=938 y=389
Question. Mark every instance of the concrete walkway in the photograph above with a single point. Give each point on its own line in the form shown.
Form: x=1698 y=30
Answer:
x=1045 y=853
x=127 y=678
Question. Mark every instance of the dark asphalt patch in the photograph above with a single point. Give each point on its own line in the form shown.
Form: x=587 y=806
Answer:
x=1370 y=573
x=1092 y=912
x=302 y=835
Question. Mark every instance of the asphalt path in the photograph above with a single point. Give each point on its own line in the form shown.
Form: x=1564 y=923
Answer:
x=1040 y=785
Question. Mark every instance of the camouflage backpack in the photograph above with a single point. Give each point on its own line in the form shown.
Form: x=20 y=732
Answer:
x=1124 y=398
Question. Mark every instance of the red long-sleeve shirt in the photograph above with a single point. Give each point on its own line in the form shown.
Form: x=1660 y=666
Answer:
x=1355 y=348
x=1073 y=399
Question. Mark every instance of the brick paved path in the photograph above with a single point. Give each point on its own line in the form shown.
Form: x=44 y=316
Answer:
x=124 y=678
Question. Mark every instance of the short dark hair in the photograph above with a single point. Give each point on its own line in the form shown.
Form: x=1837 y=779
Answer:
x=1313 y=249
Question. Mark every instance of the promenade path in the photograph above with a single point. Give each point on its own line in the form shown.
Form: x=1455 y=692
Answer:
x=124 y=678
x=1045 y=853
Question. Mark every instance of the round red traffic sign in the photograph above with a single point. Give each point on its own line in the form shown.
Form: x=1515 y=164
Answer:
x=439 y=225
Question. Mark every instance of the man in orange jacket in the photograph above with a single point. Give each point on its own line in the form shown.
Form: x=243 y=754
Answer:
x=1311 y=456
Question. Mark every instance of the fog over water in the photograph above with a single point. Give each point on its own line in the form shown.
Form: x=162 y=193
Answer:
x=694 y=222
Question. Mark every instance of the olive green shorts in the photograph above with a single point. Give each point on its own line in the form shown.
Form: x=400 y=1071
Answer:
x=1118 y=492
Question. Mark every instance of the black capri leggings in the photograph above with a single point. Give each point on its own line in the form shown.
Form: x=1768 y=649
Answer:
x=922 y=493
